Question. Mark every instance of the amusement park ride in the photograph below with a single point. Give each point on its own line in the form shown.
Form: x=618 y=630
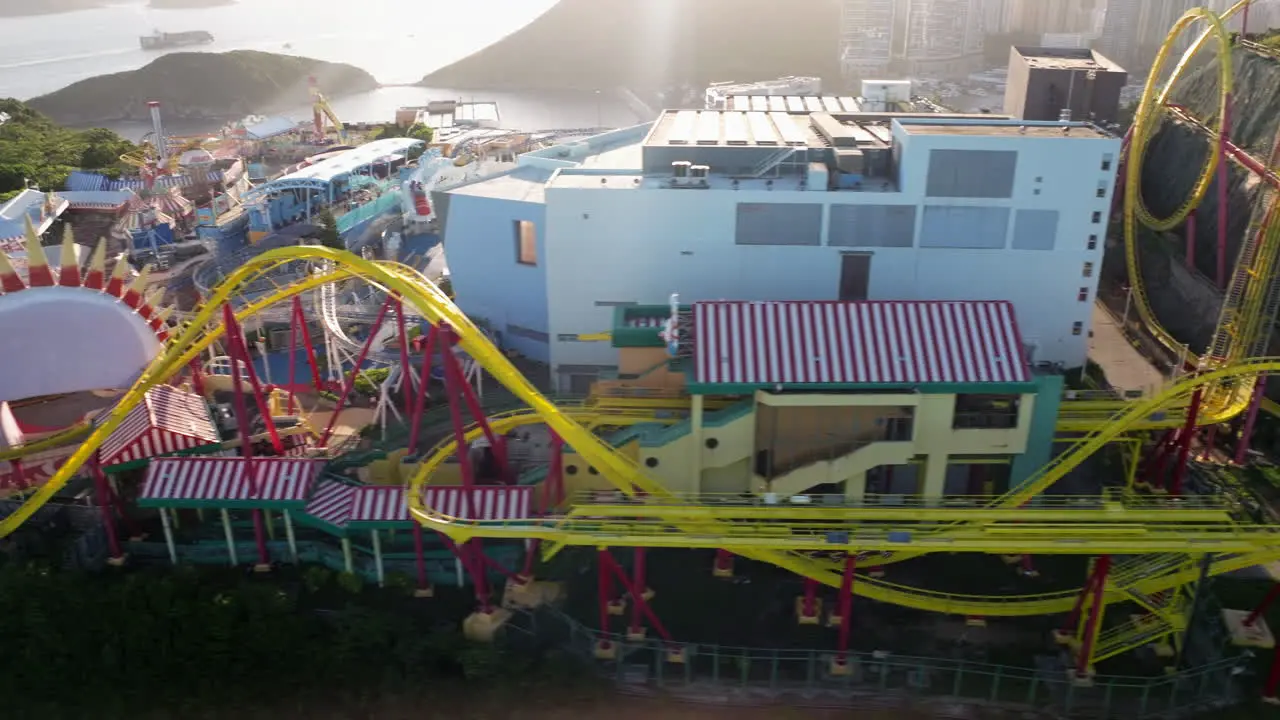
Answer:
x=321 y=111
x=1151 y=550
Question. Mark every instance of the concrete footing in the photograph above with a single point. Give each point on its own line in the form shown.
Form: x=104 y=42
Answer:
x=814 y=618
x=483 y=626
x=1257 y=635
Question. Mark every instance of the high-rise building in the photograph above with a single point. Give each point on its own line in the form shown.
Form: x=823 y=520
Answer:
x=881 y=38
x=1041 y=17
x=1135 y=29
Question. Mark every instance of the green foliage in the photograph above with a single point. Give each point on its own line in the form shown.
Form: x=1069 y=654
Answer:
x=417 y=131
x=329 y=235
x=369 y=381
x=34 y=148
x=129 y=644
x=350 y=582
x=316 y=577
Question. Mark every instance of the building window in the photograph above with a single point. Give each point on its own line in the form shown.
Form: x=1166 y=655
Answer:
x=1083 y=295
x=1097 y=217
x=1088 y=270
x=1106 y=162
x=1102 y=191
x=526 y=242
x=1077 y=328
x=985 y=412
x=1093 y=242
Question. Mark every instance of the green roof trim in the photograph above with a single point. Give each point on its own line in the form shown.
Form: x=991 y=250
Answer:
x=141 y=463
x=626 y=335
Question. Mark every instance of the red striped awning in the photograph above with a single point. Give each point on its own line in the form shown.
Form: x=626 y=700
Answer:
x=168 y=420
x=851 y=343
x=340 y=504
x=331 y=503
x=219 y=480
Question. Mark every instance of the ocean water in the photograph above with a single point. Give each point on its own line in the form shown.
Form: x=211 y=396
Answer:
x=397 y=41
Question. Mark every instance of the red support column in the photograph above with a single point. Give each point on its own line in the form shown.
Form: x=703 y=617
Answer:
x=406 y=370
x=102 y=489
x=449 y=358
x=1184 y=444
x=637 y=596
x=1263 y=606
x=1191 y=241
x=237 y=340
x=197 y=376
x=420 y=403
x=1250 y=418
x=1206 y=453
x=1073 y=617
x=355 y=371
x=724 y=564
x=640 y=584
x=553 y=484
x=604 y=591
x=300 y=318
x=420 y=562
x=1153 y=470
x=459 y=432
x=1222 y=195
x=1101 y=569
x=530 y=555
x=846 y=608
x=236 y=355
x=293 y=356
x=479 y=573
x=809 y=603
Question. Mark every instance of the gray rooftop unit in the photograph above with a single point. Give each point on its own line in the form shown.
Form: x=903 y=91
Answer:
x=834 y=131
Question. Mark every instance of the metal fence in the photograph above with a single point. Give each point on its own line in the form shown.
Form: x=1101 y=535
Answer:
x=755 y=675
x=389 y=200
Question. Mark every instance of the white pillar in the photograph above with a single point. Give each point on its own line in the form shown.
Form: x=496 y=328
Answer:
x=288 y=533
x=231 y=540
x=347 y=563
x=377 y=557
x=457 y=571
x=168 y=535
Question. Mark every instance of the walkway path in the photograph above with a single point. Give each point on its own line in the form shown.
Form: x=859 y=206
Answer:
x=1126 y=368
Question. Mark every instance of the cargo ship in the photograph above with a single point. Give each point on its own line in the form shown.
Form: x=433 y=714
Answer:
x=162 y=40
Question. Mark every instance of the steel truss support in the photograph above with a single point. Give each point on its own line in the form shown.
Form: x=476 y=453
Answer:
x=843 y=615
x=350 y=382
x=809 y=605
x=298 y=330
x=106 y=506
x=1184 y=443
x=609 y=570
x=1091 y=623
x=457 y=389
x=424 y=379
x=238 y=354
x=1250 y=418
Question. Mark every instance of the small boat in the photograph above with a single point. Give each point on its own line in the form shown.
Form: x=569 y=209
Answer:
x=288 y=46
x=162 y=40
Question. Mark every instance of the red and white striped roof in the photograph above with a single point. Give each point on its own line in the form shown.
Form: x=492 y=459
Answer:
x=339 y=504
x=167 y=420
x=171 y=480
x=850 y=343
x=331 y=502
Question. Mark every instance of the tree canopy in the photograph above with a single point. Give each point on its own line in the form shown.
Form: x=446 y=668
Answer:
x=329 y=234
x=34 y=149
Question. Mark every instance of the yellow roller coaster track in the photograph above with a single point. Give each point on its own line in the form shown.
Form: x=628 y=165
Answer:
x=1172 y=535
x=701 y=526
x=1238 y=329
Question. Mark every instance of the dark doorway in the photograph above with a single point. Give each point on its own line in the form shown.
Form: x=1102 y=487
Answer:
x=855 y=274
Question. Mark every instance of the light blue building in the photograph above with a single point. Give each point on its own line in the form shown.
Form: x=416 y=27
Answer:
x=495 y=237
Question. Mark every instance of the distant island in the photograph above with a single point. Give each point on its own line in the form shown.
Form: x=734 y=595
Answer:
x=201 y=86
x=187 y=4
x=22 y=8
x=654 y=44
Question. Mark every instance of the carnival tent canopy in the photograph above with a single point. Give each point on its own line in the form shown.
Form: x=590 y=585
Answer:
x=167 y=421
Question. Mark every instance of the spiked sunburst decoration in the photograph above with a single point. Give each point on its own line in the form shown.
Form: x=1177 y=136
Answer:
x=41 y=274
